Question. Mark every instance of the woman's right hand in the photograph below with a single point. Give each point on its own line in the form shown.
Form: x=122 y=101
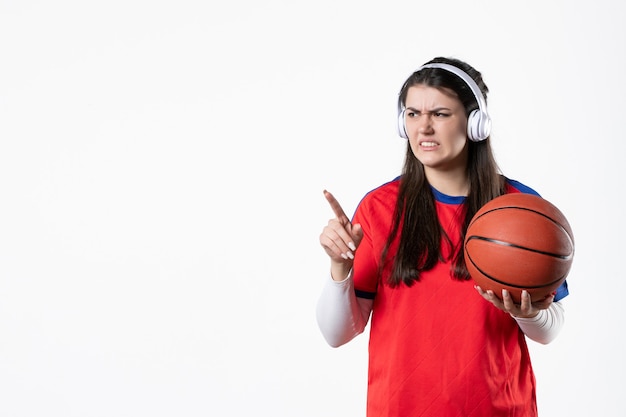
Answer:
x=340 y=239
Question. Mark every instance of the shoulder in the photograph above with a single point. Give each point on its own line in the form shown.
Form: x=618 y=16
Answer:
x=383 y=192
x=381 y=199
x=514 y=186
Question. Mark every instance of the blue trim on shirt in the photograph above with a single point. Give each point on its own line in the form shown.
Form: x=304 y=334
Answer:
x=521 y=187
x=561 y=292
x=365 y=294
x=450 y=199
x=447 y=199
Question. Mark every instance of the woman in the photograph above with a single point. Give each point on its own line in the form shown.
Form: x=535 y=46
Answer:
x=439 y=345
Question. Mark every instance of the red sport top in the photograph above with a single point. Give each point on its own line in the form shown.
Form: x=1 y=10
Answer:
x=437 y=348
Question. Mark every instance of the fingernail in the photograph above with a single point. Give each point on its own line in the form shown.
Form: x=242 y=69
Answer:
x=351 y=246
x=350 y=255
x=343 y=255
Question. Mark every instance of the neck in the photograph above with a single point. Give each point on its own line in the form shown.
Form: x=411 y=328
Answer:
x=452 y=183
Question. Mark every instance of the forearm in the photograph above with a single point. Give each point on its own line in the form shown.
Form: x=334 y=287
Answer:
x=544 y=327
x=341 y=316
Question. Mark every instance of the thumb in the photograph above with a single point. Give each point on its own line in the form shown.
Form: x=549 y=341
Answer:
x=357 y=233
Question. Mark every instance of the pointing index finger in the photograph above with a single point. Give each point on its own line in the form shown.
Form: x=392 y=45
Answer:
x=334 y=204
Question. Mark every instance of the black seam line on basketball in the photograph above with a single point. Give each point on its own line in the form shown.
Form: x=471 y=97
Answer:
x=508 y=284
x=512 y=245
x=571 y=240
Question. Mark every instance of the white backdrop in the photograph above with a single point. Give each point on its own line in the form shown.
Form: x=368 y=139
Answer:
x=161 y=174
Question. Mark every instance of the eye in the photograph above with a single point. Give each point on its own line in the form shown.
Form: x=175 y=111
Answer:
x=441 y=114
x=411 y=114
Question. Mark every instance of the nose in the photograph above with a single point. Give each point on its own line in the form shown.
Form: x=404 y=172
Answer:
x=424 y=123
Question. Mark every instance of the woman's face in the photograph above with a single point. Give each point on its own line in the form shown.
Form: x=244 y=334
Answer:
x=437 y=127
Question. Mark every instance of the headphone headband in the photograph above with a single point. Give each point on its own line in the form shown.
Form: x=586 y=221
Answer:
x=478 y=122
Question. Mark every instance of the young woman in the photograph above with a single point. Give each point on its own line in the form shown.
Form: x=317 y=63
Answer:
x=439 y=345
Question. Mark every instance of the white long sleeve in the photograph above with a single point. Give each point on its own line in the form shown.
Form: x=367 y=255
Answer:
x=341 y=315
x=544 y=327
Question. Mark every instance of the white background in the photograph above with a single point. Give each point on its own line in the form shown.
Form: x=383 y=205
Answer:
x=161 y=174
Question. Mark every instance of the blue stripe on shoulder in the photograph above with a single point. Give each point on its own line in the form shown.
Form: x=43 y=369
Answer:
x=521 y=187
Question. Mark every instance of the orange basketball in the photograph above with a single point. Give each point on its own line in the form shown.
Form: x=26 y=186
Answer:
x=516 y=242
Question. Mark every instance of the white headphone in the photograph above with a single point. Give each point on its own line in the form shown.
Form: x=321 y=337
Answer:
x=478 y=121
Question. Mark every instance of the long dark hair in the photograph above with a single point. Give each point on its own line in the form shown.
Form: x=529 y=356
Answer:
x=415 y=217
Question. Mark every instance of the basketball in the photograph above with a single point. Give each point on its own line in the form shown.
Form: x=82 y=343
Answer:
x=519 y=242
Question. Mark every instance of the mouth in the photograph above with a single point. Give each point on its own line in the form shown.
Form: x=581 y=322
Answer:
x=428 y=144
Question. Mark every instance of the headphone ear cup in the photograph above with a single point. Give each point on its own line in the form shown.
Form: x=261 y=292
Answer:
x=402 y=125
x=478 y=126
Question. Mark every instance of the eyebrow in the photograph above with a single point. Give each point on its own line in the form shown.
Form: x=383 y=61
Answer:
x=435 y=110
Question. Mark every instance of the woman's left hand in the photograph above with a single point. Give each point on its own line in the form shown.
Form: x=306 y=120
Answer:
x=526 y=309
